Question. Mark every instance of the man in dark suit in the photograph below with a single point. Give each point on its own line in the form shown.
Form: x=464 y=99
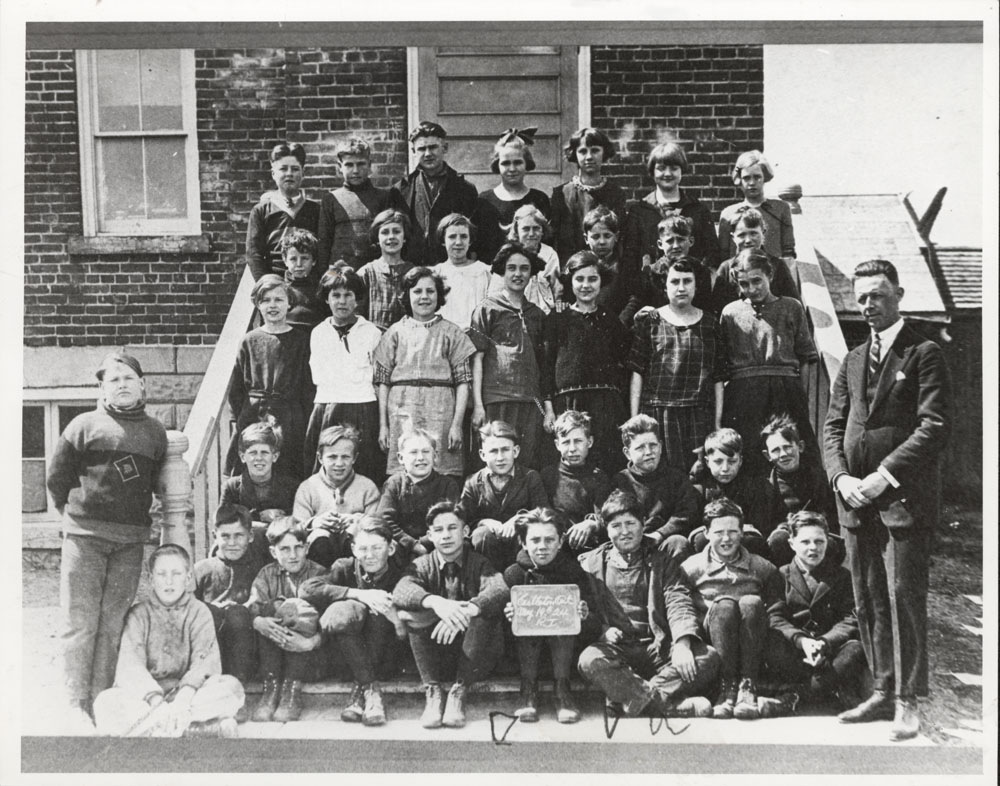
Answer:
x=888 y=423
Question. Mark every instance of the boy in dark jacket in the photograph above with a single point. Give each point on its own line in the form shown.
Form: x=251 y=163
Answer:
x=541 y=560
x=452 y=602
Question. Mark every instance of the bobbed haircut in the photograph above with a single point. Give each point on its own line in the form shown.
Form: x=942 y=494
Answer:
x=511 y=248
x=682 y=265
x=302 y=240
x=270 y=282
x=636 y=426
x=749 y=159
x=580 y=260
x=676 y=225
x=341 y=276
x=669 y=154
x=499 y=429
x=390 y=216
x=601 y=215
x=524 y=212
x=454 y=220
x=233 y=514
x=515 y=144
x=807 y=518
x=570 y=420
x=285 y=525
x=283 y=149
x=329 y=437
x=752 y=259
x=264 y=432
x=877 y=267
x=724 y=440
x=441 y=508
x=353 y=146
x=412 y=278
x=719 y=509
x=620 y=503
x=589 y=136
x=544 y=515
x=168 y=550
x=782 y=424
x=751 y=218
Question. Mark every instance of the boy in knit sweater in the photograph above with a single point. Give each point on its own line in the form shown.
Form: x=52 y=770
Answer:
x=101 y=478
x=223 y=582
x=169 y=677
x=410 y=493
x=355 y=603
x=452 y=602
x=575 y=485
x=668 y=500
x=332 y=501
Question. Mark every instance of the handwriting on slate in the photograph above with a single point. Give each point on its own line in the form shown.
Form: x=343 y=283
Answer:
x=545 y=609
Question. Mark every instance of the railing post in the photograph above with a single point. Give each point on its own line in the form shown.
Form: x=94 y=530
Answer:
x=175 y=492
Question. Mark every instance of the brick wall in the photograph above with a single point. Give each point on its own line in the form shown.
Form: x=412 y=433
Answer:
x=708 y=98
x=246 y=101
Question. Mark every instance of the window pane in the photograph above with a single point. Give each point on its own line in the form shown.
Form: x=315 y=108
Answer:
x=33 y=486
x=119 y=179
x=32 y=432
x=118 y=90
x=160 y=75
x=165 y=177
x=69 y=411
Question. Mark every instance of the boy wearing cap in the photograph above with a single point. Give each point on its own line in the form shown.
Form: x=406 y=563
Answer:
x=434 y=190
x=101 y=478
x=346 y=213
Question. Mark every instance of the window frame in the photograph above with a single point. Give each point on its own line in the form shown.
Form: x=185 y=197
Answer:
x=144 y=227
x=50 y=400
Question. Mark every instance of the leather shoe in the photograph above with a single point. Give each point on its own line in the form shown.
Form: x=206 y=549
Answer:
x=906 y=724
x=876 y=707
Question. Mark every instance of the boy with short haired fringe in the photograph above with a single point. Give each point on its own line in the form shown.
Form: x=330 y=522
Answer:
x=298 y=251
x=355 y=604
x=492 y=497
x=575 y=485
x=259 y=487
x=346 y=213
x=223 y=583
x=452 y=602
x=733 y=591
x=169 y=659
x=668 y=500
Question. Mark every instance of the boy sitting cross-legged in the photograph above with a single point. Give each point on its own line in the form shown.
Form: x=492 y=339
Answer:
x=169 y=659
x=332 y=501
x=355 y=603
x=452 y=602
x=668 y=500
x=575 y=485
x=493 y=496
x=410 y=493
x=223 y=582
x=290 y=653
x=541 y=560
x=733 y=592
x=653 y=652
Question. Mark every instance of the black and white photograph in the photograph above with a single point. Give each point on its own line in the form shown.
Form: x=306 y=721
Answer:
x=407 y=392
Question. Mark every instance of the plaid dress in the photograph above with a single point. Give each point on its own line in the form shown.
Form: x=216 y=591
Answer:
x=383 y=283
x=679 y=366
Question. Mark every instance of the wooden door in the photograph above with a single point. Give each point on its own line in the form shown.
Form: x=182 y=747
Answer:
x=476 y=92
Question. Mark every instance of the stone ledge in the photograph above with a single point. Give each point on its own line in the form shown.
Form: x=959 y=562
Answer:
x=108 y=245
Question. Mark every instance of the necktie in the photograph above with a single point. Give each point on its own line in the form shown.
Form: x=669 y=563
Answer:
x=874 y=356
x=451 y=583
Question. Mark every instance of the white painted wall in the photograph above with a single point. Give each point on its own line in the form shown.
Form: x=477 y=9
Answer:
x=878 y=118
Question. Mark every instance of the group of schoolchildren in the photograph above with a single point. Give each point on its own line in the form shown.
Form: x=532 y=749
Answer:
x=391 y=477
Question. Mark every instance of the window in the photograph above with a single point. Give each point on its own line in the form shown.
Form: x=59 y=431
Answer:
x=41 y=424
x=138 y=142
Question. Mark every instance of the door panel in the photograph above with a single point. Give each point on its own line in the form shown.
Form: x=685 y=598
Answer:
x=477 y=92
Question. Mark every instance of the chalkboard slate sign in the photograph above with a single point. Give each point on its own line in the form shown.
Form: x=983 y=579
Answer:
x=545 y=609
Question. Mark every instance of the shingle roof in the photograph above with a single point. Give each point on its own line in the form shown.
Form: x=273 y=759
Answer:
x=962 y=269
x=846 y=229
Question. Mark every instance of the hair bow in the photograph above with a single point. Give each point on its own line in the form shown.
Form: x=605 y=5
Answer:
x=526 y=135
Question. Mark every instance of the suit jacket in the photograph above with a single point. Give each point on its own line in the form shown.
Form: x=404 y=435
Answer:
x=827 y=613
x=905 y=429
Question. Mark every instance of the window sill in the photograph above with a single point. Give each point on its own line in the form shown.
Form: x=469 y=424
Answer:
x=123 y=244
